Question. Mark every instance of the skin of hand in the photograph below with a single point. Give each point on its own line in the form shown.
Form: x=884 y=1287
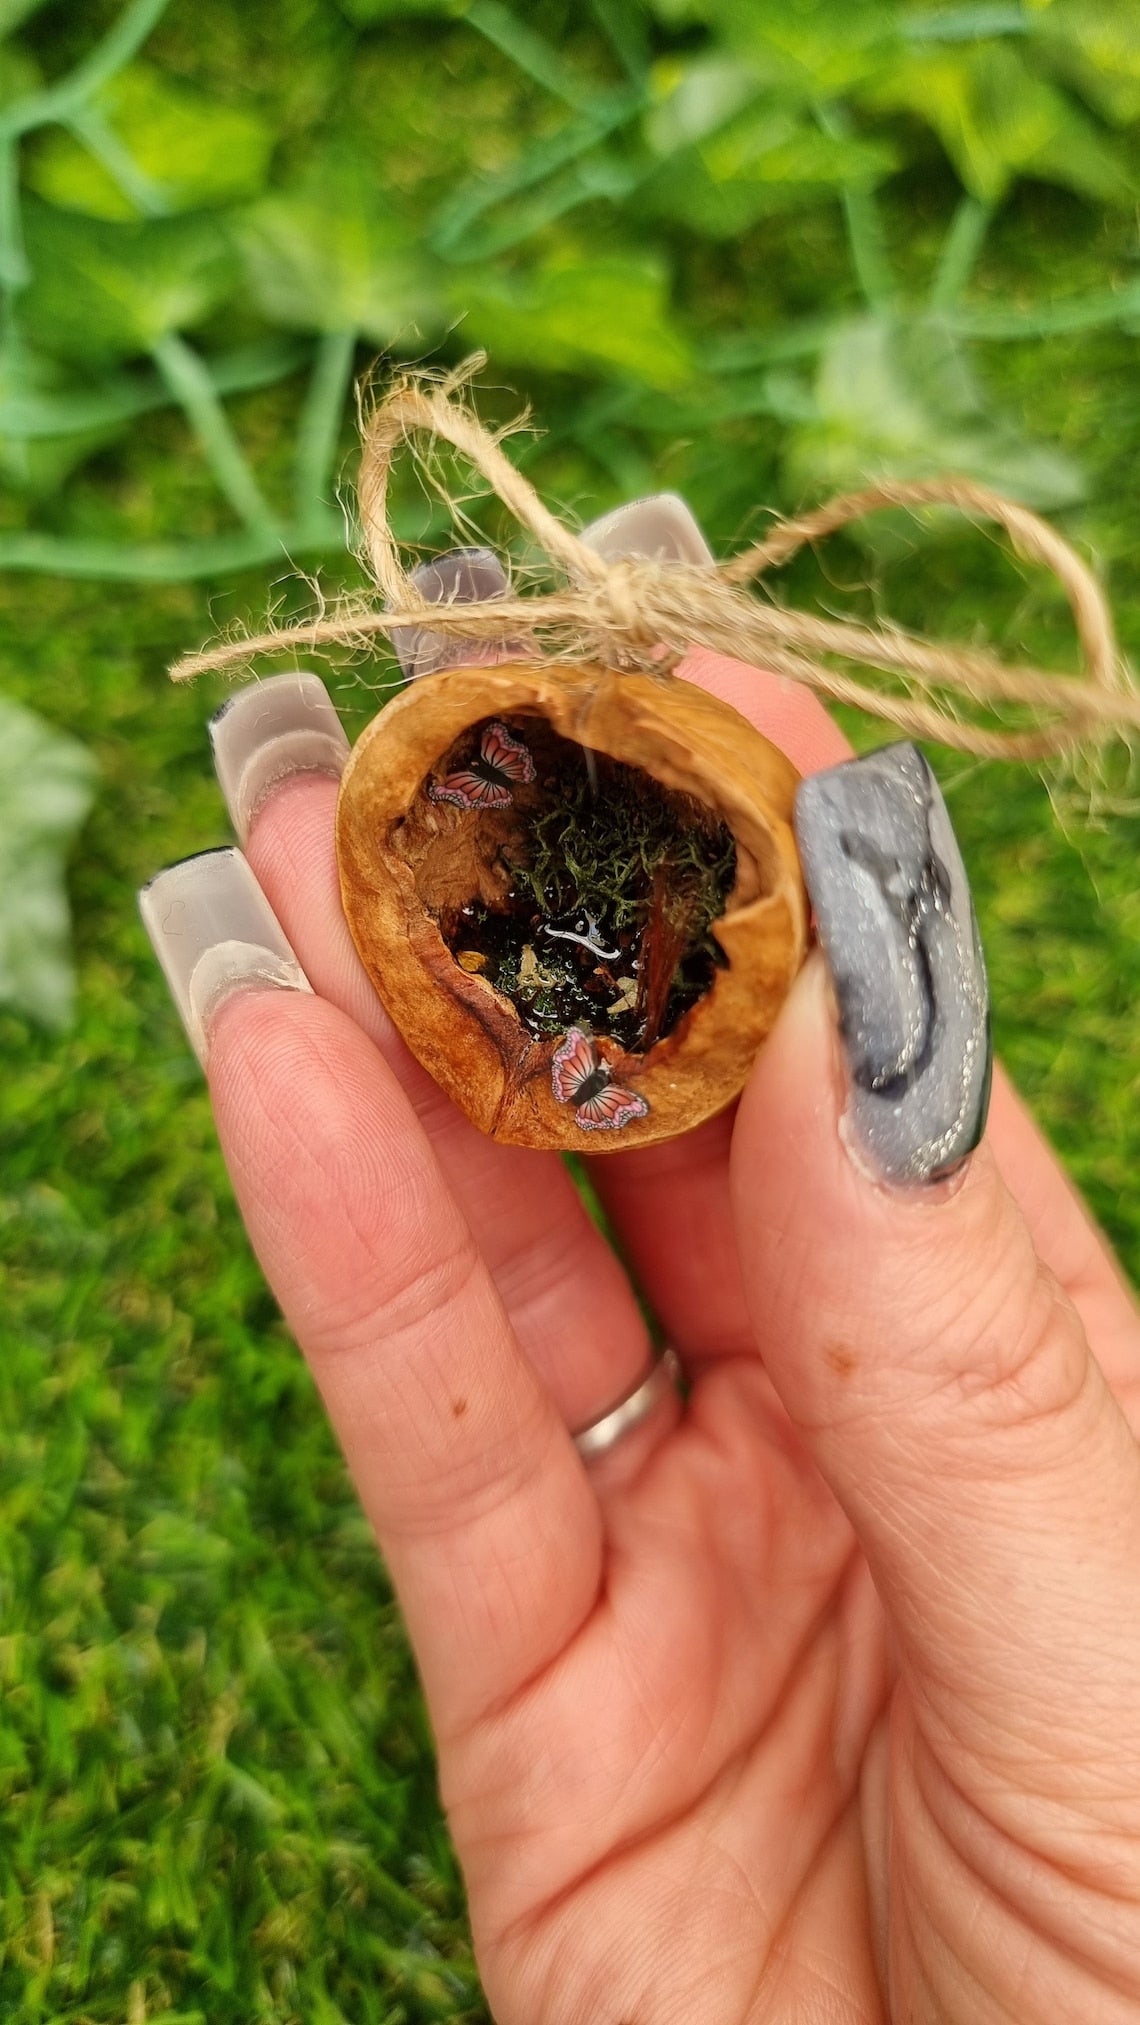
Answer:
x=816 y=1700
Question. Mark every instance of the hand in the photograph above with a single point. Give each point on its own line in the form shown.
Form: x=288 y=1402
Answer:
x=816 y=1698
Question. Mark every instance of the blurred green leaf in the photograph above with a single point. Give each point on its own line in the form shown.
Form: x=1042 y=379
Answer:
x=900 y=401
x=194 y=150
x=694 y=98
x=46 y=788
x=330 y=255
x=526 y=189
x=363 y=12
x=681 y=13
x=105 y=291
x=14 y=12
x=576 y=313
x=997 y=120
x=19 y=74
x=537 y=58
x=752 y=117
x=768 y=158
x=602 y=175
x=1095 y=48
x=811 y=50
x=38 y=464
x=38 y=398
x=625 y=28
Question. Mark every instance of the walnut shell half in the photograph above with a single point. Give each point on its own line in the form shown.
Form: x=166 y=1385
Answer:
x=408 y=862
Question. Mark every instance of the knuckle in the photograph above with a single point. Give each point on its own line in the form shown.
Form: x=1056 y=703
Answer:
x=424 y=1289
x=1034 y=1368
x=1010 y=1359
x=539 y=1273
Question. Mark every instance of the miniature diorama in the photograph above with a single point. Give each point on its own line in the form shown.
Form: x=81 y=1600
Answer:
x=570 y=872
x=576 y=892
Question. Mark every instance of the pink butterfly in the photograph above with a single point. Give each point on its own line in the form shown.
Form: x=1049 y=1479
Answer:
x=579 y=1076
x=486 y=783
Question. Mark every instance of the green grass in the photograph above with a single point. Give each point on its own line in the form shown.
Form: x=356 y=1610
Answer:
x=215 y=1773
x=217 y=1786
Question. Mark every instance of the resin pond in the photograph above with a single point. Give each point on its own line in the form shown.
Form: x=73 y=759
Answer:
x=609 y=884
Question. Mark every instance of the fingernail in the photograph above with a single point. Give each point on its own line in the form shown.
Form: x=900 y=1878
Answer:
x=464 y=576
x=660 y=528
x=215 y=933
x=896 y=925
x=268 y=731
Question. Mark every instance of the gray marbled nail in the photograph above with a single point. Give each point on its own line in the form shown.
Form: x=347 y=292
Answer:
x=461 y=577
x=897 y=928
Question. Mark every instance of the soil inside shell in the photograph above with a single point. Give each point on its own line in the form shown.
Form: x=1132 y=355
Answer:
x=585 y=900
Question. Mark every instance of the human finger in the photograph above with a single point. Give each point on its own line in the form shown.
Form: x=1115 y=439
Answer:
x=654 y=1197
x=1069 y=1242
x=941 y=1379
x=279 y=749
x=670 y=1204
x=461 y=1458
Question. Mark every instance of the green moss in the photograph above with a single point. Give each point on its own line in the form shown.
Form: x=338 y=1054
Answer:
x=616 y=884
x=599 y=845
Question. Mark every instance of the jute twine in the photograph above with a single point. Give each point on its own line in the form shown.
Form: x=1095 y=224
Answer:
x=645 y=615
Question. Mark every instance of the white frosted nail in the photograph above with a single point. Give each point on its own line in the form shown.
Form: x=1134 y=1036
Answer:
x=215 y=933
x=269 y=731
x=660 y=528
x=463 y=576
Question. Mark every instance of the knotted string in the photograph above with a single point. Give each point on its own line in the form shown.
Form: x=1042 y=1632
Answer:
x=647 y=615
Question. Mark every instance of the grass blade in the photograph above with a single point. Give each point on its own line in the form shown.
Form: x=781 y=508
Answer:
x=623 y=25
x=448 y=236
x=529 y=52
x=968 y=24
x=189 y=381
x=120 y=399
x=14 y=270
x=164 y=562
x=318 y=432
x=92 y=131
x=1082 y=312
x=865 y=235
x=960 y=250
x=60 y=101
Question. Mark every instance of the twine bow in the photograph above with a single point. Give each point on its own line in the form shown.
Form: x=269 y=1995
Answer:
x=647 y=615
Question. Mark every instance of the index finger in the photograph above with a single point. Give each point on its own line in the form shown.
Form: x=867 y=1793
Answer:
x=482 y=1507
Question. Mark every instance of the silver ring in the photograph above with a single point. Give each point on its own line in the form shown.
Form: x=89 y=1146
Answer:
x=602 y=1435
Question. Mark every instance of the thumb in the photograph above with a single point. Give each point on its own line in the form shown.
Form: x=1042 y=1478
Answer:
x=939 y=1376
